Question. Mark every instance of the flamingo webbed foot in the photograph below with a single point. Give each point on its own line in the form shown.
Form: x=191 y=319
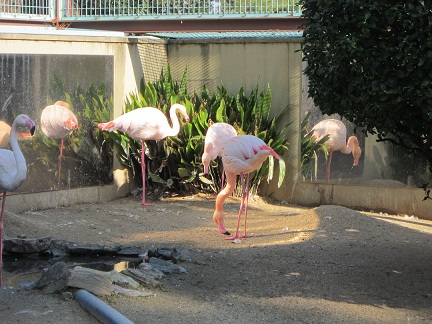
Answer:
x=232 y=238
x=235 y=238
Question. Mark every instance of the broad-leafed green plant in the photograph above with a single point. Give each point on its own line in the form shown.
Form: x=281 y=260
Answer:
x=174 y=164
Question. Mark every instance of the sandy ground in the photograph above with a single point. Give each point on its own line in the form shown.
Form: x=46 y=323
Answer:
x=328 y=264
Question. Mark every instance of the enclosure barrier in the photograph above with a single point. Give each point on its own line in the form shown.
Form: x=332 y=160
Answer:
x=87 y=10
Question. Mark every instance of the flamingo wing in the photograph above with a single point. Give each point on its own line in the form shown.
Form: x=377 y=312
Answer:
x=58 y=121
x=140 y=124
x=335 y=129
x=244 y=154
x=8 y=171
x=218 y=134
x=216 y=137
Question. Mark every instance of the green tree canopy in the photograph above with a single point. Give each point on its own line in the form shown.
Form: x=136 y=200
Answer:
x=371 y=63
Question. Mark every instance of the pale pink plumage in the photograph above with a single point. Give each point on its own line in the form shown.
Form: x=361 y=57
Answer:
x=241 y=155
x=58 y=121
x=216 y=137
x=146 y=124
x=13 y=169
x=337 y=140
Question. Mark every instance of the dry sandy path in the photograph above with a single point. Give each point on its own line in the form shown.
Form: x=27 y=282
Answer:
x=328 y=264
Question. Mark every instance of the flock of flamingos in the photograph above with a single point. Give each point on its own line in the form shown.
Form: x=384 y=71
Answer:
x=241 y=154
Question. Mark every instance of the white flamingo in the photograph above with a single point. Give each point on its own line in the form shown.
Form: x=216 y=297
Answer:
x=13 y=170
x=241 y=155
x=146 y=124
x=216 y=137
x=337 y=140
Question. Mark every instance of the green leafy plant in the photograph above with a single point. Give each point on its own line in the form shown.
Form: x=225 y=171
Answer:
x=174 y=164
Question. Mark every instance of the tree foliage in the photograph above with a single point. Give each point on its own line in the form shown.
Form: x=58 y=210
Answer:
x=371 y=63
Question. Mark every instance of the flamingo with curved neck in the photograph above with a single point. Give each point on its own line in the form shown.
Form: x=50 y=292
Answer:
x=147 y=124
x=216 y=137
x=337 y=140
x=241 y=155
x=13 y=169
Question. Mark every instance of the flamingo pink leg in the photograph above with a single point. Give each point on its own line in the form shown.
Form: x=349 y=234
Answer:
x=1 y=238
x=245 y=197
x=246 y=206
x=143 y=169
x=328 y=166
x=60 y=164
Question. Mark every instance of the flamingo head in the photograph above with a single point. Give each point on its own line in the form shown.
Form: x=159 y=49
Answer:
x=206 y=162
x=356 y=154
x=354 y=148
x=207 y=156
x=25 y=121
x=182 y=110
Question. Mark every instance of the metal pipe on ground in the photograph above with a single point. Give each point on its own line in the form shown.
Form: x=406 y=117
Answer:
x=103 y=312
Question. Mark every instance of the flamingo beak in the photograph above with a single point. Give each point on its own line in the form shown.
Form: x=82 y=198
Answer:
x=32 y=130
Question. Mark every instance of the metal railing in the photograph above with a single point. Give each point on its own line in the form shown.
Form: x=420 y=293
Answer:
x=73 y=10
x=27 y=9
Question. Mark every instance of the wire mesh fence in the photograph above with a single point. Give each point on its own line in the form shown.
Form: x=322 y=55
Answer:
x=28 y=9
x=133 y=9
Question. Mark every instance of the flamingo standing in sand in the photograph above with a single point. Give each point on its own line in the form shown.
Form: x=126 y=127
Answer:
x=241 y=155
x=146 y=124
x=337 y=140
x=13 y=170
x=58 y=121
x=216 y=137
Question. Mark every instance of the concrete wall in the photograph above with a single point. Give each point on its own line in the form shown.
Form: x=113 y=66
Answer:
x=231 y=63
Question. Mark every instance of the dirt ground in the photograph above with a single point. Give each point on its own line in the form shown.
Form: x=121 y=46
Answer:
x=328 y=264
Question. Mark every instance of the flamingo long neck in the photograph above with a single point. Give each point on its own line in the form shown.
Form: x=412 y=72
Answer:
x=352 y=143
x=226 y=192
x=174 y=130
x=21 y=166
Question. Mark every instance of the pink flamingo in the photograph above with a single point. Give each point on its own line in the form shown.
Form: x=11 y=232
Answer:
x=58 y=121
x=216 y=137
x=146 y=124
x=337 y=140
x=241 y=155
x=13 y=169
